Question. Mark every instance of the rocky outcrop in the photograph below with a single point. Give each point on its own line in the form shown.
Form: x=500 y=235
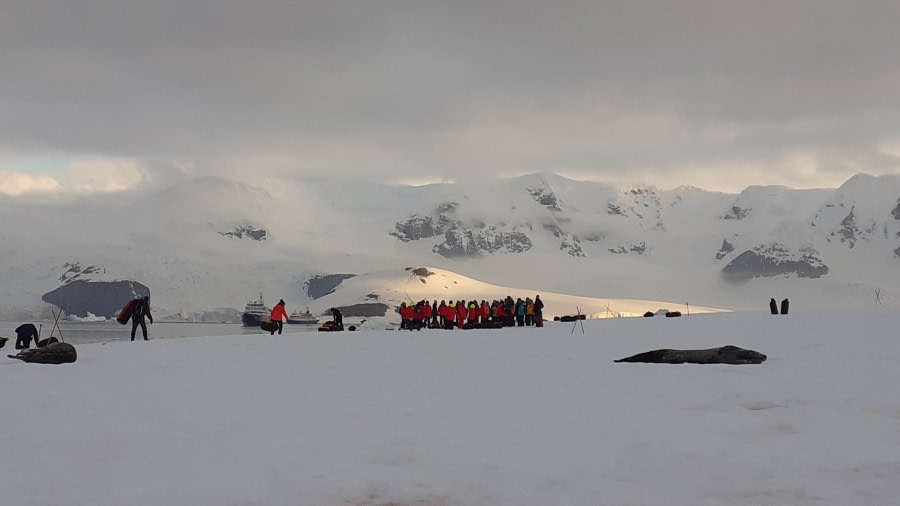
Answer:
x=775 y=260
x=421 y=227
x=462 y=242
x=250 y=232
x=102 y=298
x=850 y=232
x=546 y=198
x=736 y=213
x=726 y=248
x=571 y=245
x=320 y=286
x=639 y=248
x=74 y=272
x=642 y=204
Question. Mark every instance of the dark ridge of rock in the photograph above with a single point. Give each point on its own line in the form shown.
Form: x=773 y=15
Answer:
x=367 y=309
x=639 y=248
x=463 y=242
x=545 y=198
x=725 y=355
x=257 y=234
x=421 y=227
x=736 y=213
x=102 y=298
x=726 y=248
x=571 y=245
x=320 y=286
x=74 y=271
x=774 y=260
x=422 y=271
x=896 y=211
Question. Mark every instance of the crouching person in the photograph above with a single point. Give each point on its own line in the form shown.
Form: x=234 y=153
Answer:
x=24 y=334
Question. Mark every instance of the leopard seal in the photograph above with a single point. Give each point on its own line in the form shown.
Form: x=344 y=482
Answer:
x=723 y=355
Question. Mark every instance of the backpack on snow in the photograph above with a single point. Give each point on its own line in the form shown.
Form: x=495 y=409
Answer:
x=126 y=312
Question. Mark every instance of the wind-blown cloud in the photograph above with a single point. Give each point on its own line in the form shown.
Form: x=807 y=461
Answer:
x=685 y=92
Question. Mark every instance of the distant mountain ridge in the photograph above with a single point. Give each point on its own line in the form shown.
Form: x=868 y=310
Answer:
x=217 y=243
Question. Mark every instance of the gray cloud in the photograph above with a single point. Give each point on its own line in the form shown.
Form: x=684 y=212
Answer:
x=655 y=90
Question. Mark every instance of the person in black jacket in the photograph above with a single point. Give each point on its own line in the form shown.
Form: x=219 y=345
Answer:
x=24 y=334
x=538 y=311
x=141 y=309
x=338 y=319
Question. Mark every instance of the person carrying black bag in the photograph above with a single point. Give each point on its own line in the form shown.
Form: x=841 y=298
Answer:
x=141 y=309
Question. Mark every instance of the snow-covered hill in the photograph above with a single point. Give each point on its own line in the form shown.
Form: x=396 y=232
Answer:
x=410 y=285
x=218 y=243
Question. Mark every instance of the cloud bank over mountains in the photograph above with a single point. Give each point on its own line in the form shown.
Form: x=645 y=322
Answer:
x=712 y=95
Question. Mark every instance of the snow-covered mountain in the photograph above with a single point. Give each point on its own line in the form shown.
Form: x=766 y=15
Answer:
x=218 y=243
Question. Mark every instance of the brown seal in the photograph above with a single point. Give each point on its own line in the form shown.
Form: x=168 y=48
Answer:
x=724 y=355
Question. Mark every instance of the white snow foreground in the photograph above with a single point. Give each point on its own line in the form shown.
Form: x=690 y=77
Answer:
x=500 y=417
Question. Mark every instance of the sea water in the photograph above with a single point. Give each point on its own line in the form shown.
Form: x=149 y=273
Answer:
x=109 y=331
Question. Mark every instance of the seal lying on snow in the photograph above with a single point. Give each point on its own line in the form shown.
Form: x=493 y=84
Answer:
x=55 y=353
x=723 y=355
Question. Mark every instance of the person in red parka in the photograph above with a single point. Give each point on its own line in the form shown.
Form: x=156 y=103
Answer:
x=461 y=312
x=473 y=313
x=406 y=315
x=427 y=313
x=279 y=314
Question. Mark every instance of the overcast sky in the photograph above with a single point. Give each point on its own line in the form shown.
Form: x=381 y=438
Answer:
x=718 y=94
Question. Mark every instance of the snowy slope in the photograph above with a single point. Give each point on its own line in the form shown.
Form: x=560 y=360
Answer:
x=485 y=417
x=410 y=285
x=213 y=242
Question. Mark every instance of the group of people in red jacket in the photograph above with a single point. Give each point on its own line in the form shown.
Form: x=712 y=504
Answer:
x=473 y=314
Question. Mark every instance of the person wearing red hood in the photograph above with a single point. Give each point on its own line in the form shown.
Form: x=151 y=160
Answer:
x=279 y=314
x=461 y=312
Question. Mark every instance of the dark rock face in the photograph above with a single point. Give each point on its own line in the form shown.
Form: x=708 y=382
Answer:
x=465 y=242
x=74 y=272
x=571 y=245
x=774 y=260
x=724 y=355
x=726 y=248
x=102 y=298
x=55 y=353
x=736 y=213
x=546 y=198
x=896 y=211
x=639 y=248
x=461 y=240
x=421 y=227
x=257 y=234
x=850 y=232
x=320 y=286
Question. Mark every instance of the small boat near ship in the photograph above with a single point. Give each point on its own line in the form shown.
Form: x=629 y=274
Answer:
x=255 y=312
x=303 y=318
